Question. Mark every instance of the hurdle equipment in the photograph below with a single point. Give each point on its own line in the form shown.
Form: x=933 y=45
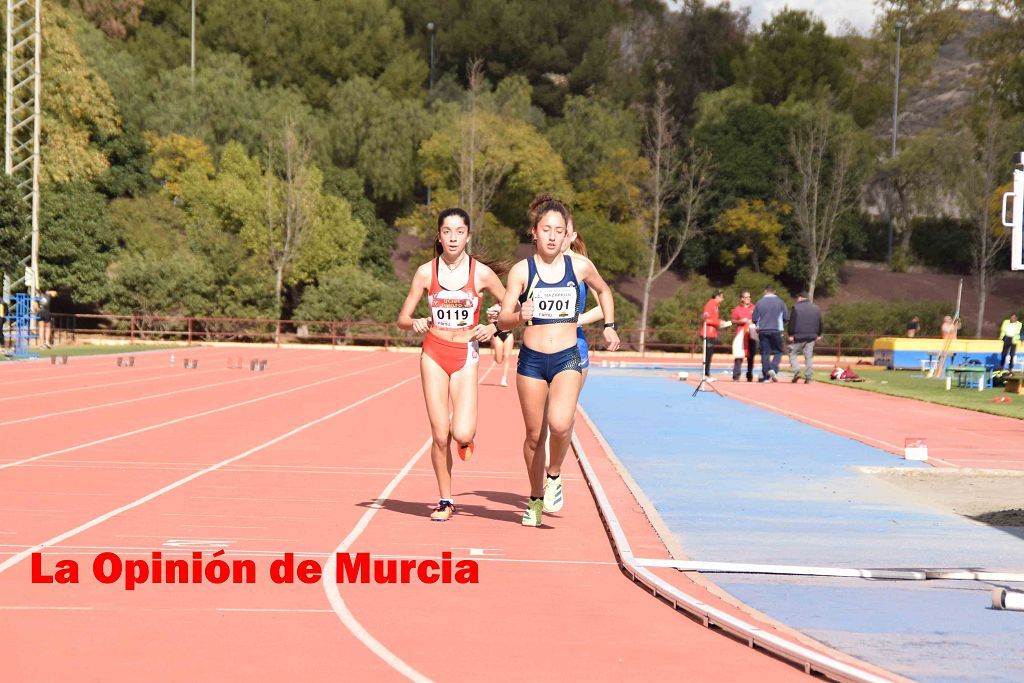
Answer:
x=252 y=364
x=234 y=363
x=263 y=365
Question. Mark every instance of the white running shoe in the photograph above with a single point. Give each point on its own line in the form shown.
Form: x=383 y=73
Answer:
x=553 y=500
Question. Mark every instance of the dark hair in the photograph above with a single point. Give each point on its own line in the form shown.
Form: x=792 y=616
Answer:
x=454 y=211
x=545 y=203
x=501 y=267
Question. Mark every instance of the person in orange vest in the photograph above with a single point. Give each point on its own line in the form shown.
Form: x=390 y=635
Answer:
x=710 y=324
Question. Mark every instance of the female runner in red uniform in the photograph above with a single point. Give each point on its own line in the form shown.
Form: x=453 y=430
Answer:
x=451 y=347
x=543 y=293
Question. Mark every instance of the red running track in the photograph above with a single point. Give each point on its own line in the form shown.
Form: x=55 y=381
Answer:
x=155 y=458
x=955 y=437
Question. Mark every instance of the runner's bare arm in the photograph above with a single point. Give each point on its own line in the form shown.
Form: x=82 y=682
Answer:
x=588 y=273
x=487 y=280
x=511 y=316
x=420 y=283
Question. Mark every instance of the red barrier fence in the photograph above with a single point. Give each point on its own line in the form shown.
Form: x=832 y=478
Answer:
x=197 y=330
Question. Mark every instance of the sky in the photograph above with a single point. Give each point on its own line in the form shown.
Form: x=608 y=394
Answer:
x=859 y=13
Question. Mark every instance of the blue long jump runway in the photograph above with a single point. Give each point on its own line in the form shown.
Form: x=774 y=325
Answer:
x=736 y=483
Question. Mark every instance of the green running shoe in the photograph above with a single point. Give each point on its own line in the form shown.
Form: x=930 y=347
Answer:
x=553 y=494
x=533 y=513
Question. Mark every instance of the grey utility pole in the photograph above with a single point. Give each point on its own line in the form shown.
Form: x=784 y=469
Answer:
x=430 y=79
x=895 y=115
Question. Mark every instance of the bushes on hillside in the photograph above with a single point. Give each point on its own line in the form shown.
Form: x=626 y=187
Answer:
x=880 y=318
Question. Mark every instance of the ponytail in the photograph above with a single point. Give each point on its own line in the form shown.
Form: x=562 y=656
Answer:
x=579 y=246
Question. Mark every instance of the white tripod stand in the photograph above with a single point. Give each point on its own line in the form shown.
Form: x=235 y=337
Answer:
x=705 y=380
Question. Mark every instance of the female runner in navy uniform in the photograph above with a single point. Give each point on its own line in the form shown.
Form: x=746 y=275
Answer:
x=543 y=293
x=451 y=347
x=576 y=248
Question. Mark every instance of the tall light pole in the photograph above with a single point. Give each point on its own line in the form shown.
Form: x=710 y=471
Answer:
x=192 y=41
x=895 y=115
x=430 y=80
x=430 y=29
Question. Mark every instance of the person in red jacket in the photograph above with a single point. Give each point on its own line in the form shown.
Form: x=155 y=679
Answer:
x=710 y=324
x=744 y=344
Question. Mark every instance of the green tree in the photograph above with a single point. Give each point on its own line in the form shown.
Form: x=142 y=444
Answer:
x=591 y=131
x=151 y=225
x=691 y=50
x=484 y=161
x=181 y=283
x=793 y=57
x=748 y=143
x=378 y=135
x=15 y=227
x=79 y=244
x=560 y=48
x=78 y=106
x=312 y=44
x=347 y=293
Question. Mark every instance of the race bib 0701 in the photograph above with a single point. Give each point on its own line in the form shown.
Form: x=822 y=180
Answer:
x=555 y=303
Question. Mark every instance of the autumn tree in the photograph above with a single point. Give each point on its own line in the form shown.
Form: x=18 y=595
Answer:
x=753 y=231
x=822 y=185
x=674 y=183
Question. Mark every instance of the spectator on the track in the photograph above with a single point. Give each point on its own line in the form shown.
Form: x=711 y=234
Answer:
x=710 y=322
x=745 y=342
x=45 y=328
x=805 y=328
x=1010 y=334
x=770 y=317
x=914 y=326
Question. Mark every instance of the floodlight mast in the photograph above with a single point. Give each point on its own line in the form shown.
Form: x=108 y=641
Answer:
x=1016 y=222
x=23 y=114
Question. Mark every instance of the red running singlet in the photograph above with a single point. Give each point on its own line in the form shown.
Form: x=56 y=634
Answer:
x=454 y=309
x=457 y=309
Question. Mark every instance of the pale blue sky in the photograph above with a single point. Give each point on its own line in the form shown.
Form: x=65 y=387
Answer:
x=859 y=13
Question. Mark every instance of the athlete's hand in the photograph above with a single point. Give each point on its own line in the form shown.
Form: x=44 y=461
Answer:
x=492 y=313
x=726 y=323
x=483 y=333
x=526 y=310
x=421 y=325
x=611 y=339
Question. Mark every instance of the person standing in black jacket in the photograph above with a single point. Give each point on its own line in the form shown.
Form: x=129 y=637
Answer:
x=805 y=327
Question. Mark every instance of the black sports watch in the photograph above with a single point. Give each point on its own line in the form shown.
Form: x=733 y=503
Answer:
x=613 y=325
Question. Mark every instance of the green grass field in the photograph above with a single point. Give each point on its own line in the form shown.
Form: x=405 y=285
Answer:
x=913 y=384
x=98 y=350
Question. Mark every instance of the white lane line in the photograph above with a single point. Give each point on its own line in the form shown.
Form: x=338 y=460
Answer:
x=149 y=397
x=62 y=608
x=94 y=359
x=275 y=609
x=152 y=378
x=334 y=594
x=193 y=416
x=10 y=562
x=330 y=569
